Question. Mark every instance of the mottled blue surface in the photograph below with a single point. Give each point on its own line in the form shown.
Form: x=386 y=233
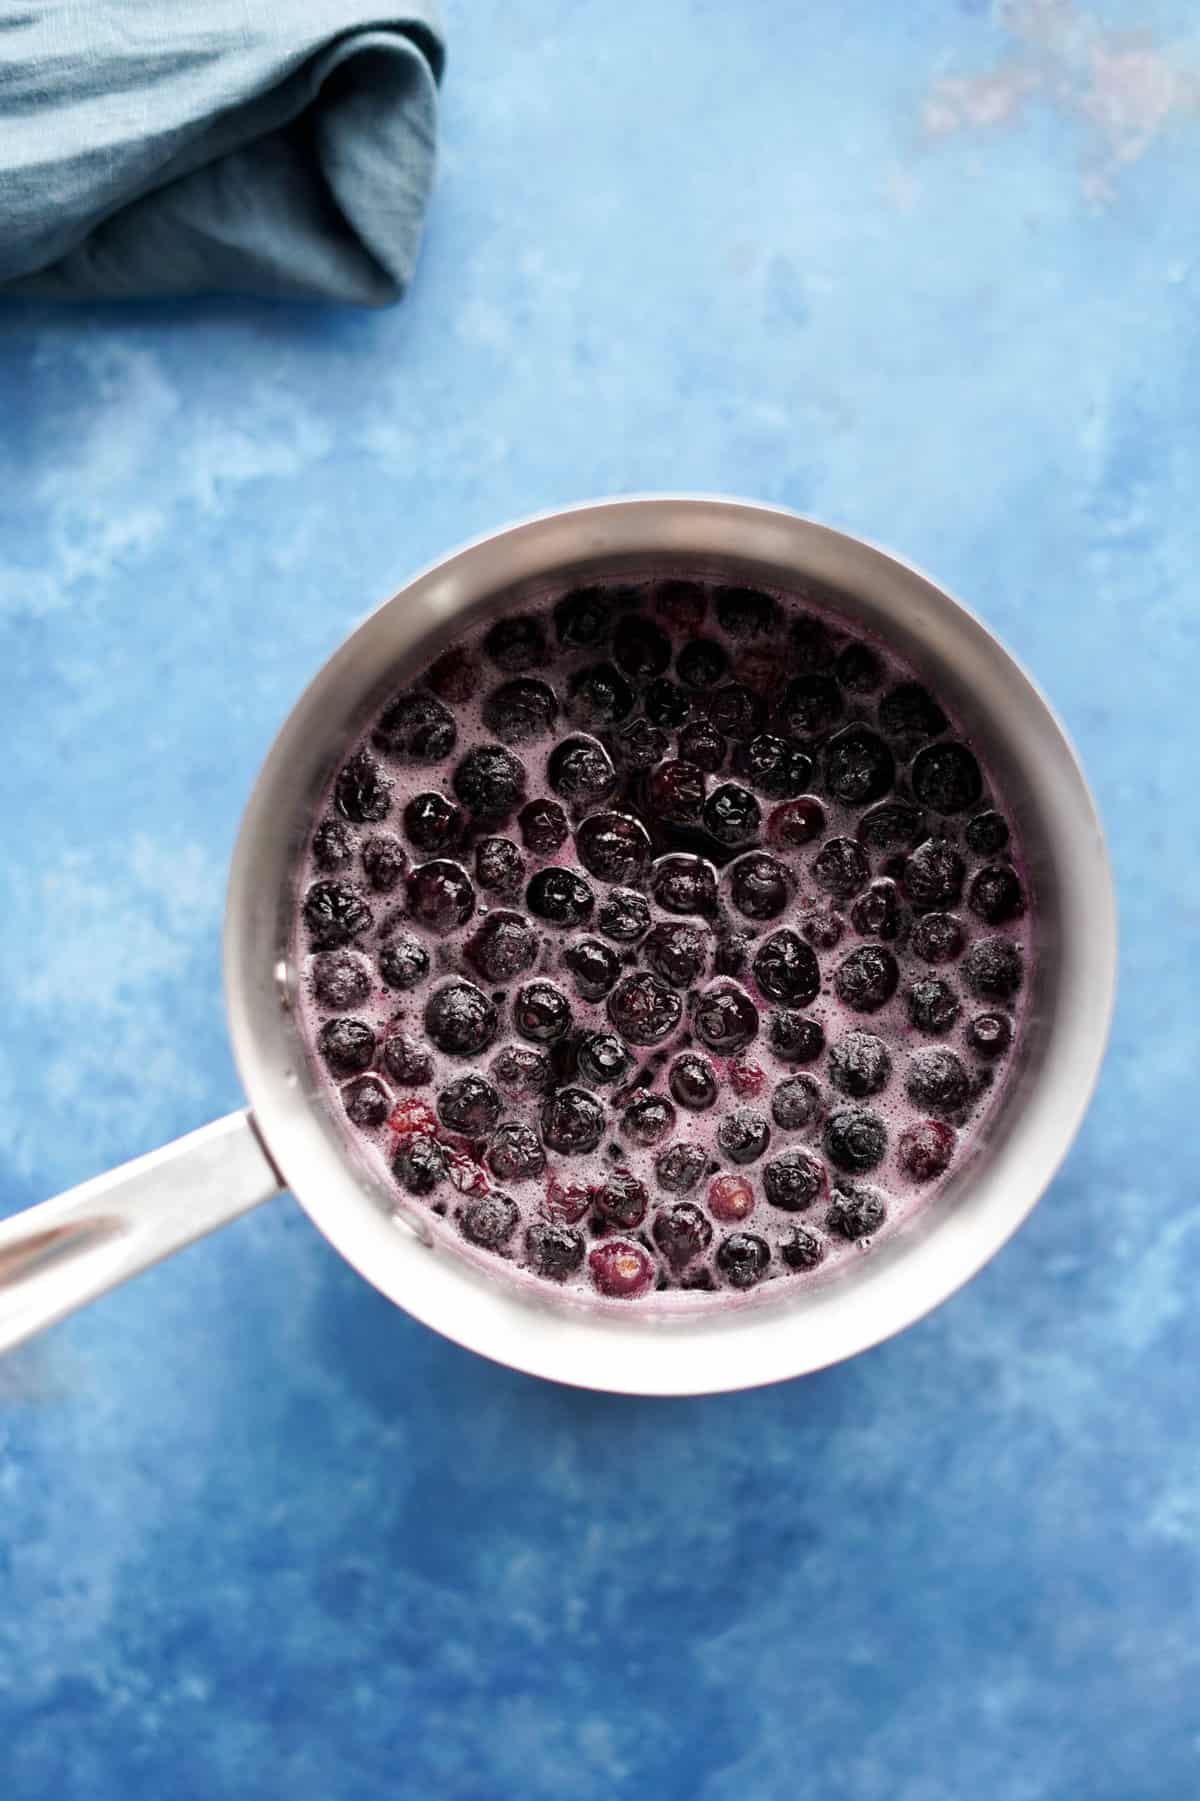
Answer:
x=930 y=272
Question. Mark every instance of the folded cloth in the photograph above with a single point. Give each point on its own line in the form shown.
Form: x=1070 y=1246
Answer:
x=281 y=147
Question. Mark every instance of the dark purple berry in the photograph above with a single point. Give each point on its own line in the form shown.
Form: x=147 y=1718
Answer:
x=521 y=1072
x=624 y=915
x=666 y=705
x=503 y=946
x=603 y=1059
x=732 y=814
x=796 y=1103
x=797 y=822
x=731 y=951
x=811 y=645
x=416 y=727
x=623 y=1200
x=573 y=1122
x=990 y=1034
x=677 y=792
x=641 y=648
x=996 y=895
x=794 y=1037
x=856 y=1213
x=419 y=1163
x=684 y=884
x=811 y=705
x=520 y=711
x=682 y=603
x=407 y=1062
x=460 y=1019
x=933 y=874
x=499 y=866
x=346 y=1045
x=593 y=966
x=933 y=1006
x=362 y=791
x=793 y=1180
x=938 y=938
x=860 y=1065
x=702 y=744
x=640 y=745
x=681 y=1232
x=469 y=1105
x=946 y=778
x=786 y=969
x=775 y=767
x=432 y=823
x=855 y=1139
x=582 y=618
x=340 y=979
x=559 y=896
x=335 y=912
x=614 y=847
x=440 y=895
x=554 y=1252
x=859 y=670
x=384 y=861
x=742 y=1259
x=367 y=1103
x=878 y=913
x=986 y=834
x=803 y=1250
x=746 y=612
x=676 y=952
x=759 y=885
x=859 y=767
x=621 y=1270
x=541 y=1012
x=701 y=663
x=543 y=827
x=516 y=644
x=866 y=979
x=403 y=961
x=993 y=969
x=679 y=1168
x=893 y=826
x=598 y=696
x=490 y=782
x=937 y=1081
x=643 y=1009
x=925 y=1150
x=489 y=1221
x=581 y=770
x=693 y=1082
x=454 y=675
x=743 y=1135
x=823 y=929
x=841 y=868
x=911 y=713
x=736 y=711
x=648 y=1119
x=725 y=1019
x=332 y=845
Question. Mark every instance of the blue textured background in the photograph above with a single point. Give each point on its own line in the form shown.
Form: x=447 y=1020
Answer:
x=932 y=273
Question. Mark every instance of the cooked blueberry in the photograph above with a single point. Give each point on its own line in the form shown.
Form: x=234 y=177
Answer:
x=560 y=896
x=520 y=711
x=384 y=861
x=406 y=1061
x=614 y=847
x=823 y=928
x=938 y=1081
x=793 y=1180
x=333 y=844
x=811 y=705
x=677 y=792
x=573 y=1122
x=681 y=1232
x=676 y=952
x=403 y=961
x=797 y=822
x=856 y=1213
x=860 y=1065
x=743 y=1258
x=684 y=884
x=996 y=895
x=731 y=952
x=440 y=895
x=986 y=834
x=503 y=946
x=541 y=1012
x=811 y=645
x=993 y=969
x=415 y=726
x=543 y=827
x=598 y=696
x=335 y=912
x=469 y=1105
x=641 y=648
x=593 y=966
x=640 y=745
x=620 y=1270
x=554 y=1251
x=516 y=644
x=746 y=612
x=786 y=969
x=796 y=1103
x=910 y=712
x=488 y=1221
x=581 y=770
x=624 y=915
x=877 y=913
x=989 y=1034
x=582 y=618
x=603 y=1059
x=367 y=1103
x=683 y=603
x=794 y=1037
x=859 y=767
x=946 y=777
x=346 y=1045
x=732 y=814
x=938 y=938
x=680 y=1167
x=725 y=1019
x=499 y=866
x=460 y=1019
x=648 y=1119
x=933 y=874
x=340 y=979
x=859 y=670
x=925 y=1150
x=432 y=823
x=777 y=768
x=892 y=826
x=693 y=1082
x=521 y=1072
x=866 y=979
x=454 y=675
x=419 y=1163
x=362 y=791
x=643 y=1009
x=666 y=705
x=803 y=1250
x=759 y=885
x=855 y=1139
x=622 y=1200
x=841 y=868
x=702 y=744
x=933 y=1006
x=743 y=1134
x=731 y=1198
x=701 y=663
x=490 y=782
x=736 y=711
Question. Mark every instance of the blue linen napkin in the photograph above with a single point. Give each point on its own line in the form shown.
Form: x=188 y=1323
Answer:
x=281 y=147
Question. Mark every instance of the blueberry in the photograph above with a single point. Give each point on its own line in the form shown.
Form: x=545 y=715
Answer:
x=933 y=1006
x=803 y=1250
x=676 y=952
x=624 y=915
x=855 y=1139
x=732 y=814
x=614 y=847
x=543 y=827
x=640 y=745
x=362 y=791
x=440 y=895
x=622 y=1200
x=520 y=711
x=332 y=845
x=460 y=1019
x=878 y=913
x=811 y=705
x=346 y=1045
x=603 y=1059
x=859 y=670
x=384 y=861
x=367 y=1103
x=681 y=1232
x=911 y=713
x=993 y=969
x=469 y=1105
x=620 y=1270
x=986 y=834
x=490 y=782
x=794 y=1037
x=989 y=1034
x=515 y=1154
x=856 y=1213
x=796 y=1103
x=759 y=885
x=823 y=928
x=593 y=966
x=406 y=1061
x=797 y=822
x=648 y=1119
x=786 y=969
x=684 y=884
x=516 y=644
x=938 y=1081
x=553 y=1251
x=892 y=826
x=335 y=912
x=454 y=675
x=793 y=1180
x=581 y=770
x=925 y=1150
x=683 y=603
x=996 y=895
x=489 y=1221
x=560 y=896
x=866 y=979
x=641 y=648
x=679 y=1168
x=860 y=1065
x=340 y=979
x=503 y=946
x=582 y=618
x=938 y=938
x=432 y=823
x=521 y=1072
x=701 y=663
x=702 y=744
x=643 y=1009
x=743 y=1258
x=598 y=696
x=725 y=1019
x=731 y=1198
x=737 y=711
x=416 y=727
x=499 y=866
x=731 y=951
x=841 y=868
x=677 y=792
x=403 y=961
x=859 y=767
x=743 y=1135
x=666 y=705
x=419 y=1163
x=933 y=874
x=746 y=612
x=946 y=778
x=693 y=1082
x=573 y=1121
x=541 y=1012
x=777 y=768
x=811 y=645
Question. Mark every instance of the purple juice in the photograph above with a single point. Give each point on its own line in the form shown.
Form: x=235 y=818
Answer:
x=663 y=938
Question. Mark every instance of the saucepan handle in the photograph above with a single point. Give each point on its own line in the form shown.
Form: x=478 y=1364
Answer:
x=58 y=1255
